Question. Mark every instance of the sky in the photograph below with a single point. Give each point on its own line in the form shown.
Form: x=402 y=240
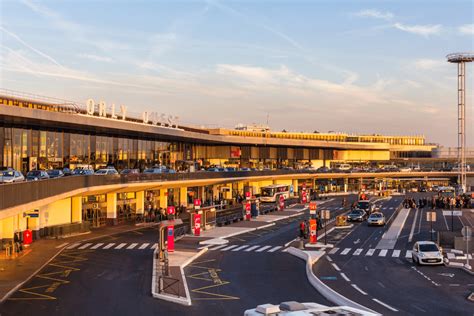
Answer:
x=348 y=66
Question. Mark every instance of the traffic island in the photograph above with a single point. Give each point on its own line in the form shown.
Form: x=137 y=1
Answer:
x=168 y=279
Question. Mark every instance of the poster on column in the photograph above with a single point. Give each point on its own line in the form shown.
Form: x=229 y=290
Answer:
x=170 y=238
x=312 y=231
x=197 y=224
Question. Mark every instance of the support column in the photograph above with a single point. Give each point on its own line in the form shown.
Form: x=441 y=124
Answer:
x=295 y=187
x=346 y=185
x=140 y=198
x=163 y=198
x=183 y=196
x=112 y=209
x=76 y=209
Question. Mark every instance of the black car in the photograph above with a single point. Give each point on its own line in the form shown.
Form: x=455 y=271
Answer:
x=35 y=175
x=55 y=173
x=357 y=215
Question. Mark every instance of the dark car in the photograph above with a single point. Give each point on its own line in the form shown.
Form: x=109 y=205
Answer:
x=82 y=172
x=323 y=170
x=55 y=173
x=35 y=175
x=130 y=171
x=356 y=216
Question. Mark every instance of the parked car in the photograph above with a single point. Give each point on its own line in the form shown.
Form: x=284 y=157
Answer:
x=323 y=170
x=130 y=171
x=376 y=218
x=67 y=172
x=426 y=252
x=10 y=176
x=405 y=169
x=356 y=215
x=36 y=175
x=245 y=169
x=55 y=173
x=231 y=169
x=158 y=170
x=107 y=171
x=82 y=172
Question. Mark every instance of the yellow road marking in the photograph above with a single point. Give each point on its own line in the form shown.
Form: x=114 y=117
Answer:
x=217 y=296
x=29 y=291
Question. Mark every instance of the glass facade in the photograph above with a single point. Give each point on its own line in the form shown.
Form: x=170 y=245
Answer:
x=26 y=149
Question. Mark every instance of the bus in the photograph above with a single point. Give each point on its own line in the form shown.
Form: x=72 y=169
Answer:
x=272 y=193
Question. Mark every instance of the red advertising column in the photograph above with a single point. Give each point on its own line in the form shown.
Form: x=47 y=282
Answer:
x=304 y=199
x=312 y=208
x=171 y=210
x=197 y=224
x=27 y=237
x=247 y=195
x=170 y=238
x=197 y=204
x=281 y=203
x=312 y=231
x=248 y=207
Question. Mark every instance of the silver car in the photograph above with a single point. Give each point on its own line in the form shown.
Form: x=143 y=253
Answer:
x=376 y=218
x=10 y=176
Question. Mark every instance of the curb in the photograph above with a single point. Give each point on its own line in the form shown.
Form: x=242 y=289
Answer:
x=450 y=265
x=19 y=285
x=203 y=242
x=322 y=288
x=186 y=301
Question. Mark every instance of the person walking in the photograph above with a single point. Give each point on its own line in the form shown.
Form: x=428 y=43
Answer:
x=302 y=229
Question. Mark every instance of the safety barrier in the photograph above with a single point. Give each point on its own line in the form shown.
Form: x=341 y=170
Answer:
x=65 y=230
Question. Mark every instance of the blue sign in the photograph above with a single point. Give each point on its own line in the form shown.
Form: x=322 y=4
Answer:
x=292 y=189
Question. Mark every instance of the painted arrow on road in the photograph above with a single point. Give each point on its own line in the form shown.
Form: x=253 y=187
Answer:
x=451 y=275
x=357 y=241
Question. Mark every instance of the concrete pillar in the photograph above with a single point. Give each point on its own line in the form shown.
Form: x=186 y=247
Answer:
x=295 y=186
x=7 y=228
x=163 y=198
x=140 y=199
x=76 y=209
x=183 y=196
x=346 y=184
x=112 y=208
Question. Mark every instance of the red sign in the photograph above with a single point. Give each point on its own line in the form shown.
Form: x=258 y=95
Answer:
x=247 y=195
x=197 y=204
x=312 y=231
x=304 y=199
x=235 y=152
x=27 y=237
x=313 y=206
x=282 y=202
x=171 y=210
x=248 y=207
x=170 y=238
x=197 y=224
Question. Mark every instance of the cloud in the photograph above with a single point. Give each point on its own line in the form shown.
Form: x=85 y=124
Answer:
x=466 y=29
x=371 y=13
x=429 y=64
x=424 y=30
x=96 y=58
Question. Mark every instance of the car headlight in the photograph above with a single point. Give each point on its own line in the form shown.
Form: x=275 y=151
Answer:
x=421 y=254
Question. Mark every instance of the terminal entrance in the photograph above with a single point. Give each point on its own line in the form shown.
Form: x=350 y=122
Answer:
x=94 y=210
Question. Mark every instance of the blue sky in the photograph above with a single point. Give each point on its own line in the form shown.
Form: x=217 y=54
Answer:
x=349 y=66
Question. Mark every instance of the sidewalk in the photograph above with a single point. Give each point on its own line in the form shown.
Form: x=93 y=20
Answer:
x=457 y=259
x=15 y=272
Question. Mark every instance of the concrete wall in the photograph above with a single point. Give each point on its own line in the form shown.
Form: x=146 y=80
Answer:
x=56 y=213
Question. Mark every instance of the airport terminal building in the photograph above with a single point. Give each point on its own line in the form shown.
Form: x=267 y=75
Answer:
x=45 y=133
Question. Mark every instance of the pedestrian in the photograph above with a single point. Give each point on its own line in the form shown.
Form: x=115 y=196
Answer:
x=17 y=241
x=302 y=229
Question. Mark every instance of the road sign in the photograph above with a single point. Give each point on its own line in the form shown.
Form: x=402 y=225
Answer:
x=452 y=213
x=431 y=216
x=313 y=207
x=326 y=214
x=197 y=204
x=466 y=232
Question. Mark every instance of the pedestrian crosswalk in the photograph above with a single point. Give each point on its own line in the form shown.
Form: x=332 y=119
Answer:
x=247 y=248
x=111 y=246
x=371 y=252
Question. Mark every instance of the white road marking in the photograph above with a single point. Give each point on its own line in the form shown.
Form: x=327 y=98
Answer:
x=446 y=222
x=62 y=245
x=263 y=248
x=345 y=251
x=408 y=254
x=383 y=253
x=229 y=247
x=155 y=245
x=370 y=252
x=121 y=246
x=396 y=253
x=412 y=230
x=251 y=248
x=85 y=246
x=333 y=250
x=240 y=248
x=73 y=245
x=218 y=247
x=358 y=252
x=274 y=249
x=143 y=246
x=345 y=277
x=358 y=289
x=336 y=267
x=329 y=258
x=109 y=245
x=385 y=305
x=97 y=245
x=132 y=246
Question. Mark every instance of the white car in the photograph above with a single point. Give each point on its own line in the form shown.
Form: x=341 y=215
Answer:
x=10 y=176
x=405 y=169
x=106 y=171
x=426 y=252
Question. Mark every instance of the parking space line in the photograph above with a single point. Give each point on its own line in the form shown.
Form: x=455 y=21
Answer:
x=62 y=245
x=109 y=245
x=144 y=245
x=218 y=247
x=345 y=251
x=333 y=250
x=155 y=245
x=132 y=246
x=396 y=253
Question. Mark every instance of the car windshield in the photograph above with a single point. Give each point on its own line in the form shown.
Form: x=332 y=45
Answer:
x=355 y=213
x=268 y=192
x=428 y=247
x=35 y=173
x=8 y=173
x=376 y=215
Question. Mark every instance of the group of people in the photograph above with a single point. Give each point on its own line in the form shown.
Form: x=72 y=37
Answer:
x=440 y=201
